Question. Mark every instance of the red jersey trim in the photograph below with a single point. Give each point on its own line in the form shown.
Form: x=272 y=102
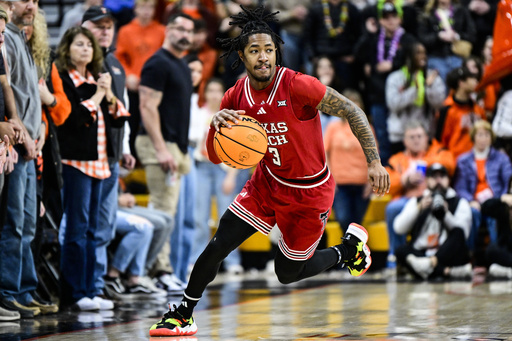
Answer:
x=249 y=218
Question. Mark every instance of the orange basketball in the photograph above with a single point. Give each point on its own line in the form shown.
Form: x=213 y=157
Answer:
x=242 y=146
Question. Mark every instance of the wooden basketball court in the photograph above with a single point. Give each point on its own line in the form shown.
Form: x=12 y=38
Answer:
x=331 y=306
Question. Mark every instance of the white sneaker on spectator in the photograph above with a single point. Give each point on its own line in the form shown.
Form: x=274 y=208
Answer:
x=86 y=304
x=9 y=315
x=103 y=303
x=421 y=265
x=235 y=269
x=463 y=271
x=175 y=279
x=167 y=282
x=500 y=271
x=148 y=283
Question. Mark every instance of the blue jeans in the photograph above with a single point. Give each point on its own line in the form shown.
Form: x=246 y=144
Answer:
x=392 y=210
x=444 y=65
x=349 y=205
x=106 y=231
x=212 y=177
x=18 y=278
x=379 y=113
x=163 y=225
x=131 y=253
x=183 y=234
x=81 y=198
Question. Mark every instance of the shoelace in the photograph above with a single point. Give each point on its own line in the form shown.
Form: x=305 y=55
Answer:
x=174 y=314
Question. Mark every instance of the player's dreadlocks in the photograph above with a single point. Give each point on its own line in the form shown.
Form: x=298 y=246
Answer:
x=251 y=22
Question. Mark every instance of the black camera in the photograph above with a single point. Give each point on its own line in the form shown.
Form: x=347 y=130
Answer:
x=438 y=199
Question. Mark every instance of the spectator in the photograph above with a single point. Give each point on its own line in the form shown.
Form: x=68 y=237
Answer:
x=291 y=20
x=380 y=54
x=407 y=174
x=19 y=279
x=483 y=13
x=136 y=42
x=485 y=97
x=448 y=32
x=459 y=113
x=56 y=109
x=85 y=145
x=122 y=10
x=73 y=17
x=323 y=69
x=502 y=123
x=162 y=224
x=483 y=176
x=413 y=93
x=165 y=90
x=134 y=234
x=197 y=11
x=499 y=254
x=332 y=28
x=439 y=222
x=100 y=22
x=346 y=161
x=6 y=133
x=206 y=53
x=217 y=181
x=183 y=234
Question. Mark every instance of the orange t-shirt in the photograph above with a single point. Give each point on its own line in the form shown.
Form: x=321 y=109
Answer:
x=482 y=179
x=345 y=156
x=136 y=43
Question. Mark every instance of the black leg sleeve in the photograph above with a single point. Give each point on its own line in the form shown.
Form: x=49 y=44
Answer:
x=289 y=271
x=232 y=232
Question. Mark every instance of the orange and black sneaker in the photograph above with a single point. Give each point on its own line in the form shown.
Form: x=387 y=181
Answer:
x=357 y=236
x=173 y=324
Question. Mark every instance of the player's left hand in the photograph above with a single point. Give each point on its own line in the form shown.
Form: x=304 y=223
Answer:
x=378 y=177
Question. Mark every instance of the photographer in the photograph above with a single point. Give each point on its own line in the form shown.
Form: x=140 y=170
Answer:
x=438 y=222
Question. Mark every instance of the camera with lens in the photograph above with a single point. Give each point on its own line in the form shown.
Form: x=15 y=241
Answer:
x=438 y=199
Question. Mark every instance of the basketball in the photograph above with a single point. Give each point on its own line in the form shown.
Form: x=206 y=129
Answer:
x=242 y=146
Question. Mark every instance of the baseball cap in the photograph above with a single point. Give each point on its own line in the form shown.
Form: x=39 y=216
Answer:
x=436 y=168
x=388 y=8
x=95 y=13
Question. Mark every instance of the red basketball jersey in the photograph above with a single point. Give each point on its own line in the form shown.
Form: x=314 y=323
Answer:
x=287 y=111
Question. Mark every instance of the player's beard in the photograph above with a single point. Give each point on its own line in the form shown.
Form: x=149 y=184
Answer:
x=264 y=78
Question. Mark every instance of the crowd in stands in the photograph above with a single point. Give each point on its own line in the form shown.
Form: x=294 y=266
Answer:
x=134 y=84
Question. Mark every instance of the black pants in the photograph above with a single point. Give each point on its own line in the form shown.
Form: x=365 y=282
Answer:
x=232 y=232
x=502 y=252
x=453 y=252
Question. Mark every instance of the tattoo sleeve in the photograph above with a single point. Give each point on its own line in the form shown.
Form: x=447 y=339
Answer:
x=336 y=104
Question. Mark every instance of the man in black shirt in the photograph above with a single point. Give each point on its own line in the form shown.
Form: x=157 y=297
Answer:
x=165 y=90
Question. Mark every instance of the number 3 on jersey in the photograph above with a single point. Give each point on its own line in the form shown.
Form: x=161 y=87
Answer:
x=277 y=159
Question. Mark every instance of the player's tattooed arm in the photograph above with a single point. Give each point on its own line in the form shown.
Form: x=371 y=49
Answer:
x=336 y=104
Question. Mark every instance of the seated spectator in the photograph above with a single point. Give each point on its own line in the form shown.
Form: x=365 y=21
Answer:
x=483 y=176
x=407 y=174
x=346 y=161
x=439 y=222
x=460 y=112
x=499 y=254
x=413 y=93
x=85 y=144
x=162 y=227
x=134 y=234
x=485 y=97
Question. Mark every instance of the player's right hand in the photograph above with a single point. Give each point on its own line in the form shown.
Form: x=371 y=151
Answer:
x=223 y=117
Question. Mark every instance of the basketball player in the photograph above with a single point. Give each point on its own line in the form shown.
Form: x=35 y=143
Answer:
x=292 y=186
